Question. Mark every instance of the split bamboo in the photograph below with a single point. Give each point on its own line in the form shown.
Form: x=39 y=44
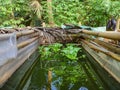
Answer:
x=107 y=34
x=109 y=53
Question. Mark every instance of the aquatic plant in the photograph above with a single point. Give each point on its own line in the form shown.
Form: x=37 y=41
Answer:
x=57 y=52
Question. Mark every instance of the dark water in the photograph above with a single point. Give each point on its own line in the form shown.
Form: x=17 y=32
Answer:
x=86 y=78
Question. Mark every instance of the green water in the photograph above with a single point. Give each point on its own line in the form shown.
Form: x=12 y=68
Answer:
x=84 y=79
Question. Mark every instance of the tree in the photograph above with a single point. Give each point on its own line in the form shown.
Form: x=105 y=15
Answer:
x=50 y=13
x=17 y=13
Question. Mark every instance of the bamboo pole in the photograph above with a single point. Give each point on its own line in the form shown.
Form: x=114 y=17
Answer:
x=106 y=34
x=109 y=53
x=25 y=32
x=18 y=34
x=23 y=44
x=109 y=46
x=33 y=35
x=8 y=30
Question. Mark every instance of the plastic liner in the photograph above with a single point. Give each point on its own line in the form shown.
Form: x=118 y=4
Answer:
x=8 y=48
x=103 y=28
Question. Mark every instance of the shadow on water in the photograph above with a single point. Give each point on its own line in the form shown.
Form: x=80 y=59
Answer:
x=52 y=75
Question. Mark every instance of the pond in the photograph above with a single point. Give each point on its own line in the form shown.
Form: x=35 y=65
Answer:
x=64 y=70
x=83 y=78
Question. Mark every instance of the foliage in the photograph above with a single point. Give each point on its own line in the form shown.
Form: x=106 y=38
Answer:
x=32 y=12
x=71 y=52
x=88 y=12
x=71 y=11
x=63 y=62
x=67 y=58
x=8 y=9
x=56 y=51
x=17 y=13
x=99 y=11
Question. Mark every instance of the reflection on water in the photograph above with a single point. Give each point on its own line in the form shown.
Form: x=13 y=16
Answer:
x=82 y=77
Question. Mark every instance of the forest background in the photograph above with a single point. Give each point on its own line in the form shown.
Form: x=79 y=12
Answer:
x=22 y=13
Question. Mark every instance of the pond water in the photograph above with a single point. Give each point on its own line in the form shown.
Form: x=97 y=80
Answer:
x=82 y=77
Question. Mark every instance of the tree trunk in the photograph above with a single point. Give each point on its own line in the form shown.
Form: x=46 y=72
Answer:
x=50 y=14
